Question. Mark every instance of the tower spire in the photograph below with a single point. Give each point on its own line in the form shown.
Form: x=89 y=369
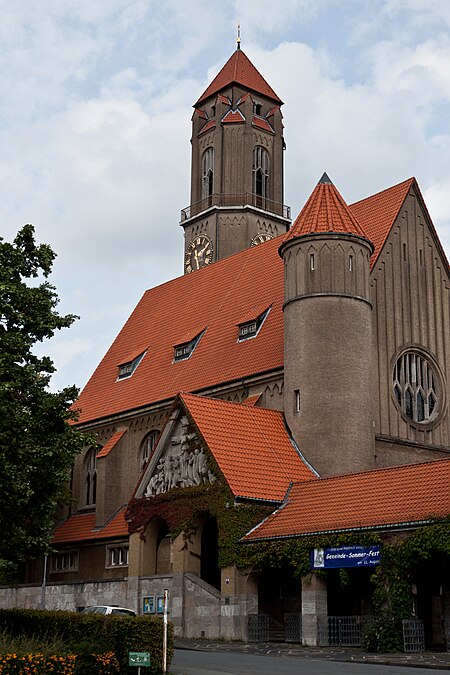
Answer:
x=238 y=39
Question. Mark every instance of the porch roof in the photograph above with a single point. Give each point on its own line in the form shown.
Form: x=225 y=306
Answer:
x=401 y=496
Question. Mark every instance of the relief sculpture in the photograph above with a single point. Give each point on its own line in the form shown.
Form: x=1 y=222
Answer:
x=183 y=468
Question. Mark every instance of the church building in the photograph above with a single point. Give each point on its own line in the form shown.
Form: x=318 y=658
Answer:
x=273 y=425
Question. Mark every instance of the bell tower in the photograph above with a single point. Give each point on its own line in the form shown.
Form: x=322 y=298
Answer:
x=237 y=184
x=328 y=351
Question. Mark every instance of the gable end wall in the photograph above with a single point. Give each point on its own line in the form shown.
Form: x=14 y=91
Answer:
x=410 y=292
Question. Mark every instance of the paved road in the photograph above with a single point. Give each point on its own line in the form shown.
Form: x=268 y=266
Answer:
x=188 y=662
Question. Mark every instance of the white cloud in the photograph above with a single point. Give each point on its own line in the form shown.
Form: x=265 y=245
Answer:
x=95 y=123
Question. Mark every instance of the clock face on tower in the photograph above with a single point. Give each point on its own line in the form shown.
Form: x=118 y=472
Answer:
x=260 y=239
x=198 y=254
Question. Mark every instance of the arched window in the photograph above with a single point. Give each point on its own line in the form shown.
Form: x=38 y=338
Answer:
x=261 y=170
x=90 y=472
x=415 y=386
x=147 y=447
x=208 y=174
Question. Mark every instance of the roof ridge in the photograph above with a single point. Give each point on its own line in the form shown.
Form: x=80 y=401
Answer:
x=372 y=472
x=221 y=400
x=391 y=187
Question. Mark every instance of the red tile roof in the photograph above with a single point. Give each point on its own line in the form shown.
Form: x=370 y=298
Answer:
x=233 y=116
x=262 y=124
x=81 y=527
x=240 y=70
x=251 y=400
x=209 y=125
x=236 y=434
x=215 y=297
x=229 y=291
x=253 y=313
x=115 y=438
x=401 y=495
x=325 y=211
x=377 y=213
x=272 y=111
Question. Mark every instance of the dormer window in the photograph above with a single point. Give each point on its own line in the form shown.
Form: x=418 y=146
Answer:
x=185 y=349
x=250 y=329
x=127 y=369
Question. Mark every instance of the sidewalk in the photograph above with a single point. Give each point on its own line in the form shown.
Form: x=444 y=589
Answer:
x=437 y=660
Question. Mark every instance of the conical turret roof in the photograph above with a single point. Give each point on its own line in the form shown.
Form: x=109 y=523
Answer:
x=325 y=211
x=240 y=70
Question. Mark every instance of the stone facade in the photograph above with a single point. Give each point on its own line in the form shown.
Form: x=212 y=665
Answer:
x=346 y=327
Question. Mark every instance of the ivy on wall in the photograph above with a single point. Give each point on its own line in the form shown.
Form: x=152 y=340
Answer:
x=402 y=553
x=393 y=579
x=182 y=509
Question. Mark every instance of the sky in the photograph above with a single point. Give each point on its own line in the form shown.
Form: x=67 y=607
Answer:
x=95 y=122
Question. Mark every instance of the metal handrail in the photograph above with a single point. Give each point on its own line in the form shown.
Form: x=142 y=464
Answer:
x=240 y=199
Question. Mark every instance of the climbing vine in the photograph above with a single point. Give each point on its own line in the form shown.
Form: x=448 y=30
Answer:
x=392 y=580
x=393 y=596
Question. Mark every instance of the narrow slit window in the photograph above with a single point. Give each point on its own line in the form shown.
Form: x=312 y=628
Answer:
x=312 y=262
x=350 y=263
x=297 y=400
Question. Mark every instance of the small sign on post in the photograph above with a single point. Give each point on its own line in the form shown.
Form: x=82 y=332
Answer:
x=138 y=659
x=166 y=609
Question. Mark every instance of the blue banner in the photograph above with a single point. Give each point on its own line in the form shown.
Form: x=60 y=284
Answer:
x=345 y=556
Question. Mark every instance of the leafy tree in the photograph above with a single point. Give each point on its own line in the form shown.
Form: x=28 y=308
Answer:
x=37 y=443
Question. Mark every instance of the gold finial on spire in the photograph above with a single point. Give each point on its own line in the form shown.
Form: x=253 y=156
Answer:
x=238 y=39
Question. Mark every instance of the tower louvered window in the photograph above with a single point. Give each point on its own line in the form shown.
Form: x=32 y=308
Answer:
x=415 y=387
x=208 y=175
x=261 y=171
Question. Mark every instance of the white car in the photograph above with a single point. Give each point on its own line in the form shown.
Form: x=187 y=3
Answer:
x=108 y=609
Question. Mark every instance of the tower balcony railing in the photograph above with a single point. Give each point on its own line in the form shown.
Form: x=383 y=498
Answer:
x=240 y=199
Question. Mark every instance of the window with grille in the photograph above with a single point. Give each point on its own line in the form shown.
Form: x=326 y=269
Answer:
x=184 y=351
x=64 y=561
x=250 y=329
x=127 y=369
x=117 y=556
x=415 y=387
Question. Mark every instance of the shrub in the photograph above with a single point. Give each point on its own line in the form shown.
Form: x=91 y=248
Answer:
x=383 y=634
x=91 y=637
x=36 y=664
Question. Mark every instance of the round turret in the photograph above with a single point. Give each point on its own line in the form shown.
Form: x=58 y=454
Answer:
x=328 y=353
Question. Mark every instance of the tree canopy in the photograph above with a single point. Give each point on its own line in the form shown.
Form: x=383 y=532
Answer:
x=38 y=445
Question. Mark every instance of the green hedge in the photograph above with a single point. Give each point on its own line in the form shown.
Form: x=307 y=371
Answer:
x=87 y=634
